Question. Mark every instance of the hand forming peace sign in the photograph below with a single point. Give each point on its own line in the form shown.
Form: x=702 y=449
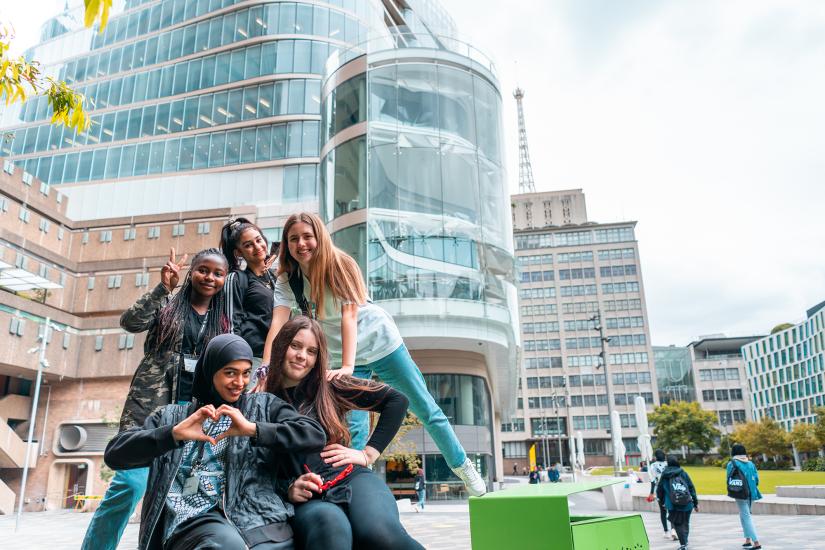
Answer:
x=170 y=273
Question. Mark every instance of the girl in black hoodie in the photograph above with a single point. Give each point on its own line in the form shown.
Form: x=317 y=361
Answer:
x=677 y=493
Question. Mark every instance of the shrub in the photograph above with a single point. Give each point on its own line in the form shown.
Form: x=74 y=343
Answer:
x=814 y=465
x=774 y=465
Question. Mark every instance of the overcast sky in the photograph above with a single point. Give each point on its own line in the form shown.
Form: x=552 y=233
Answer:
x=702 y=120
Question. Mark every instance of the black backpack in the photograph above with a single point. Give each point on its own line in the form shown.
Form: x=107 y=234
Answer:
x=737 y=483
x=679 y=492
x=296 y=284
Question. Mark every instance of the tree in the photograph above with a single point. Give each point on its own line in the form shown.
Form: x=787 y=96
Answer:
x=803 y=436
x=404 y=451
x=819 y=427
x=765 y=437
x=21 y=79
x=780 y=327
x=683 y=425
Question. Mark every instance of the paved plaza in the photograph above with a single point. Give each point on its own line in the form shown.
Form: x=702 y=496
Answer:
x=447 y=527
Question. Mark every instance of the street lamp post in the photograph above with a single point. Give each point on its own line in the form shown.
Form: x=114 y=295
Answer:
x=599 y=325
x=41 y=364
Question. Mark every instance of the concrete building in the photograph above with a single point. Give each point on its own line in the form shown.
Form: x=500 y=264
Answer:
x=201 y=108
x=786 y=371
x=711 y=371
x=572 y=269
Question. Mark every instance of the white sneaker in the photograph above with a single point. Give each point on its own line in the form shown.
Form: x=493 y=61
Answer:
x=471 y=478
x=667 y=535
x=673 y=535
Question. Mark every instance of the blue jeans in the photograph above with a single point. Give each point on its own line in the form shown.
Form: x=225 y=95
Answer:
x=746 y=519
x=422 y=497
x=400 y=371
x=122 y=497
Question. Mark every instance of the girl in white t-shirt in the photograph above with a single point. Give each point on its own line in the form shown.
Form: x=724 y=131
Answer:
x=362 y=337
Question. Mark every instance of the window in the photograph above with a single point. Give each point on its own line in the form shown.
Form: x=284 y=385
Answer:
x=129 y=234
x=739 y=416
x=126 y=341
x=21 y=261
x=8 y=167
x=725 y=418
x=60 y=232
x=66 y=340
x=708 y=395
x=44 y=225
x=705 y=375
x=204 y=228
x=85 y=238
x=722 y=395
x=24 y=215
x=153 y=233
x=27 y=179
x=735 y=394
x=90 y=285
x=17 y=326
x=141 y=279
x=515 y=449
x=115 y=281
x=98 y=343
x=4 y=204
x=106 y=236
x=178 y=230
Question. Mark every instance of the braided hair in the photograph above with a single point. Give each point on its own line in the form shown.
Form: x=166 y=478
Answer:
x=231 y=236
x=172 y=317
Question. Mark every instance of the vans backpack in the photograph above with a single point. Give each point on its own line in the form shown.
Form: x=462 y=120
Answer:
x=737 y=483
x=679 y=493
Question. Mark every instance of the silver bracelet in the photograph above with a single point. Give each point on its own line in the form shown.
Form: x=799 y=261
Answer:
x=366 y=458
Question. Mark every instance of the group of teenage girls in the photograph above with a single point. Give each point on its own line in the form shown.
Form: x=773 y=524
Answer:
x=246 y=424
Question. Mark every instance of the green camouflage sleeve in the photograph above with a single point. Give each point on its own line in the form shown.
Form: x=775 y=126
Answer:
x=138 y=317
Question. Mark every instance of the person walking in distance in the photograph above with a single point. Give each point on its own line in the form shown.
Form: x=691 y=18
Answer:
x=743 y=485
x=420 y=489
x=655 y=470
x=677 y=493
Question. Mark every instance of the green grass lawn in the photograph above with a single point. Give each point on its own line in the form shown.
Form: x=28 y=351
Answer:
x=711 y=480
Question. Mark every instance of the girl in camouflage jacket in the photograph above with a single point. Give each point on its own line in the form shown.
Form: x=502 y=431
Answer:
x=178 y=328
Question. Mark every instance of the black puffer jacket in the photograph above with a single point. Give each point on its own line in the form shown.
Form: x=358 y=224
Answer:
x=250 y=500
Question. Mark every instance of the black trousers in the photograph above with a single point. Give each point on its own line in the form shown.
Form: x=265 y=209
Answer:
x=681 y=523
x=663 y=517
x=369 y=522
x=212 y=531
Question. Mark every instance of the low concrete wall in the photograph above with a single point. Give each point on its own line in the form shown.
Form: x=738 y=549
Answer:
x=801 y=491
x=770 y=505
x=6 y=499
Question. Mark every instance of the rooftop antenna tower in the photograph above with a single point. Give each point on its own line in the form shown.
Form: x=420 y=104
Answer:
x=525 y=170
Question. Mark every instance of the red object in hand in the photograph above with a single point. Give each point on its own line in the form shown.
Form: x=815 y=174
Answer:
x=334 y=481
x=650 y=498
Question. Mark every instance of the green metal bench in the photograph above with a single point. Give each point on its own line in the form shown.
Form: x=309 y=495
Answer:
x=537 y=517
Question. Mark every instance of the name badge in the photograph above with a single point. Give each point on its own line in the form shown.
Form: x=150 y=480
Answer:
x=190 y=486
x=189 y=363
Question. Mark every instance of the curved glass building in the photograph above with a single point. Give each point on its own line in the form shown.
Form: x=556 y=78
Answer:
x=412 y=181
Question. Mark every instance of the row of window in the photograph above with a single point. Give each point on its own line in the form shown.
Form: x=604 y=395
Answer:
x=629 y=398
x=627 y=378
x=577 y=257
x=574 y=238
x=619 y=288
x=589 y=400
x=707 y=375
x=257 y=144
x=281 y=57
x=585 y=342
x=285 y=97
x=733 y=394
x=540 y=309
x=728 y=418
x=534 y=328
x=617 y=270
x=546 y=402
x=537 y=293
x=577 y=273
x=534 y=382
x=629 y=358
x=542 y=362
x=602 y=421
x=273 y=19
x=624 y=322
x=517 y=425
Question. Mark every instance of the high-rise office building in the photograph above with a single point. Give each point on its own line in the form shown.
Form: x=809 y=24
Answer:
x=207 y=109
x=786 y=371
x=572 y=269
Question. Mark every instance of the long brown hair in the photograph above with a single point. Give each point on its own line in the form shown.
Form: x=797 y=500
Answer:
x=321 y=398
x=331 y=266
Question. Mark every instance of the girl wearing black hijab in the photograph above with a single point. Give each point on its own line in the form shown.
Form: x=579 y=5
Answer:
x=214 y=461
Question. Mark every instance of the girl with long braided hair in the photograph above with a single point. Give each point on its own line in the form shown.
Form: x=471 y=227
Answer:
x=178 y=327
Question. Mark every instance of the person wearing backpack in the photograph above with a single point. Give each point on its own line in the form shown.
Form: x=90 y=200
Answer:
x=655 y=471
x=742 y=481
x=676 y=493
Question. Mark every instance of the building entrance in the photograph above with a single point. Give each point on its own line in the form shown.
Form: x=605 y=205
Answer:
x=76 y=476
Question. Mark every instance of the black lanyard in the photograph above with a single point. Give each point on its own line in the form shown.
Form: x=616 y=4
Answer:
x=199 y=339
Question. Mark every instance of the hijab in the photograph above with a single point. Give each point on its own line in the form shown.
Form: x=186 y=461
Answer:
x=221 y=350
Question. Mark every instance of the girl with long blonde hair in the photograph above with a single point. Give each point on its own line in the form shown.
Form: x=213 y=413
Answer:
x=362 y=338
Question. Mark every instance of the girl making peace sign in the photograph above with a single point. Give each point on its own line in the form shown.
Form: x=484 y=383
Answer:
x=179 y=327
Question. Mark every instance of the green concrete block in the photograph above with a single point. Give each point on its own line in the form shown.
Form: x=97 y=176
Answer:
x=537 y=517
